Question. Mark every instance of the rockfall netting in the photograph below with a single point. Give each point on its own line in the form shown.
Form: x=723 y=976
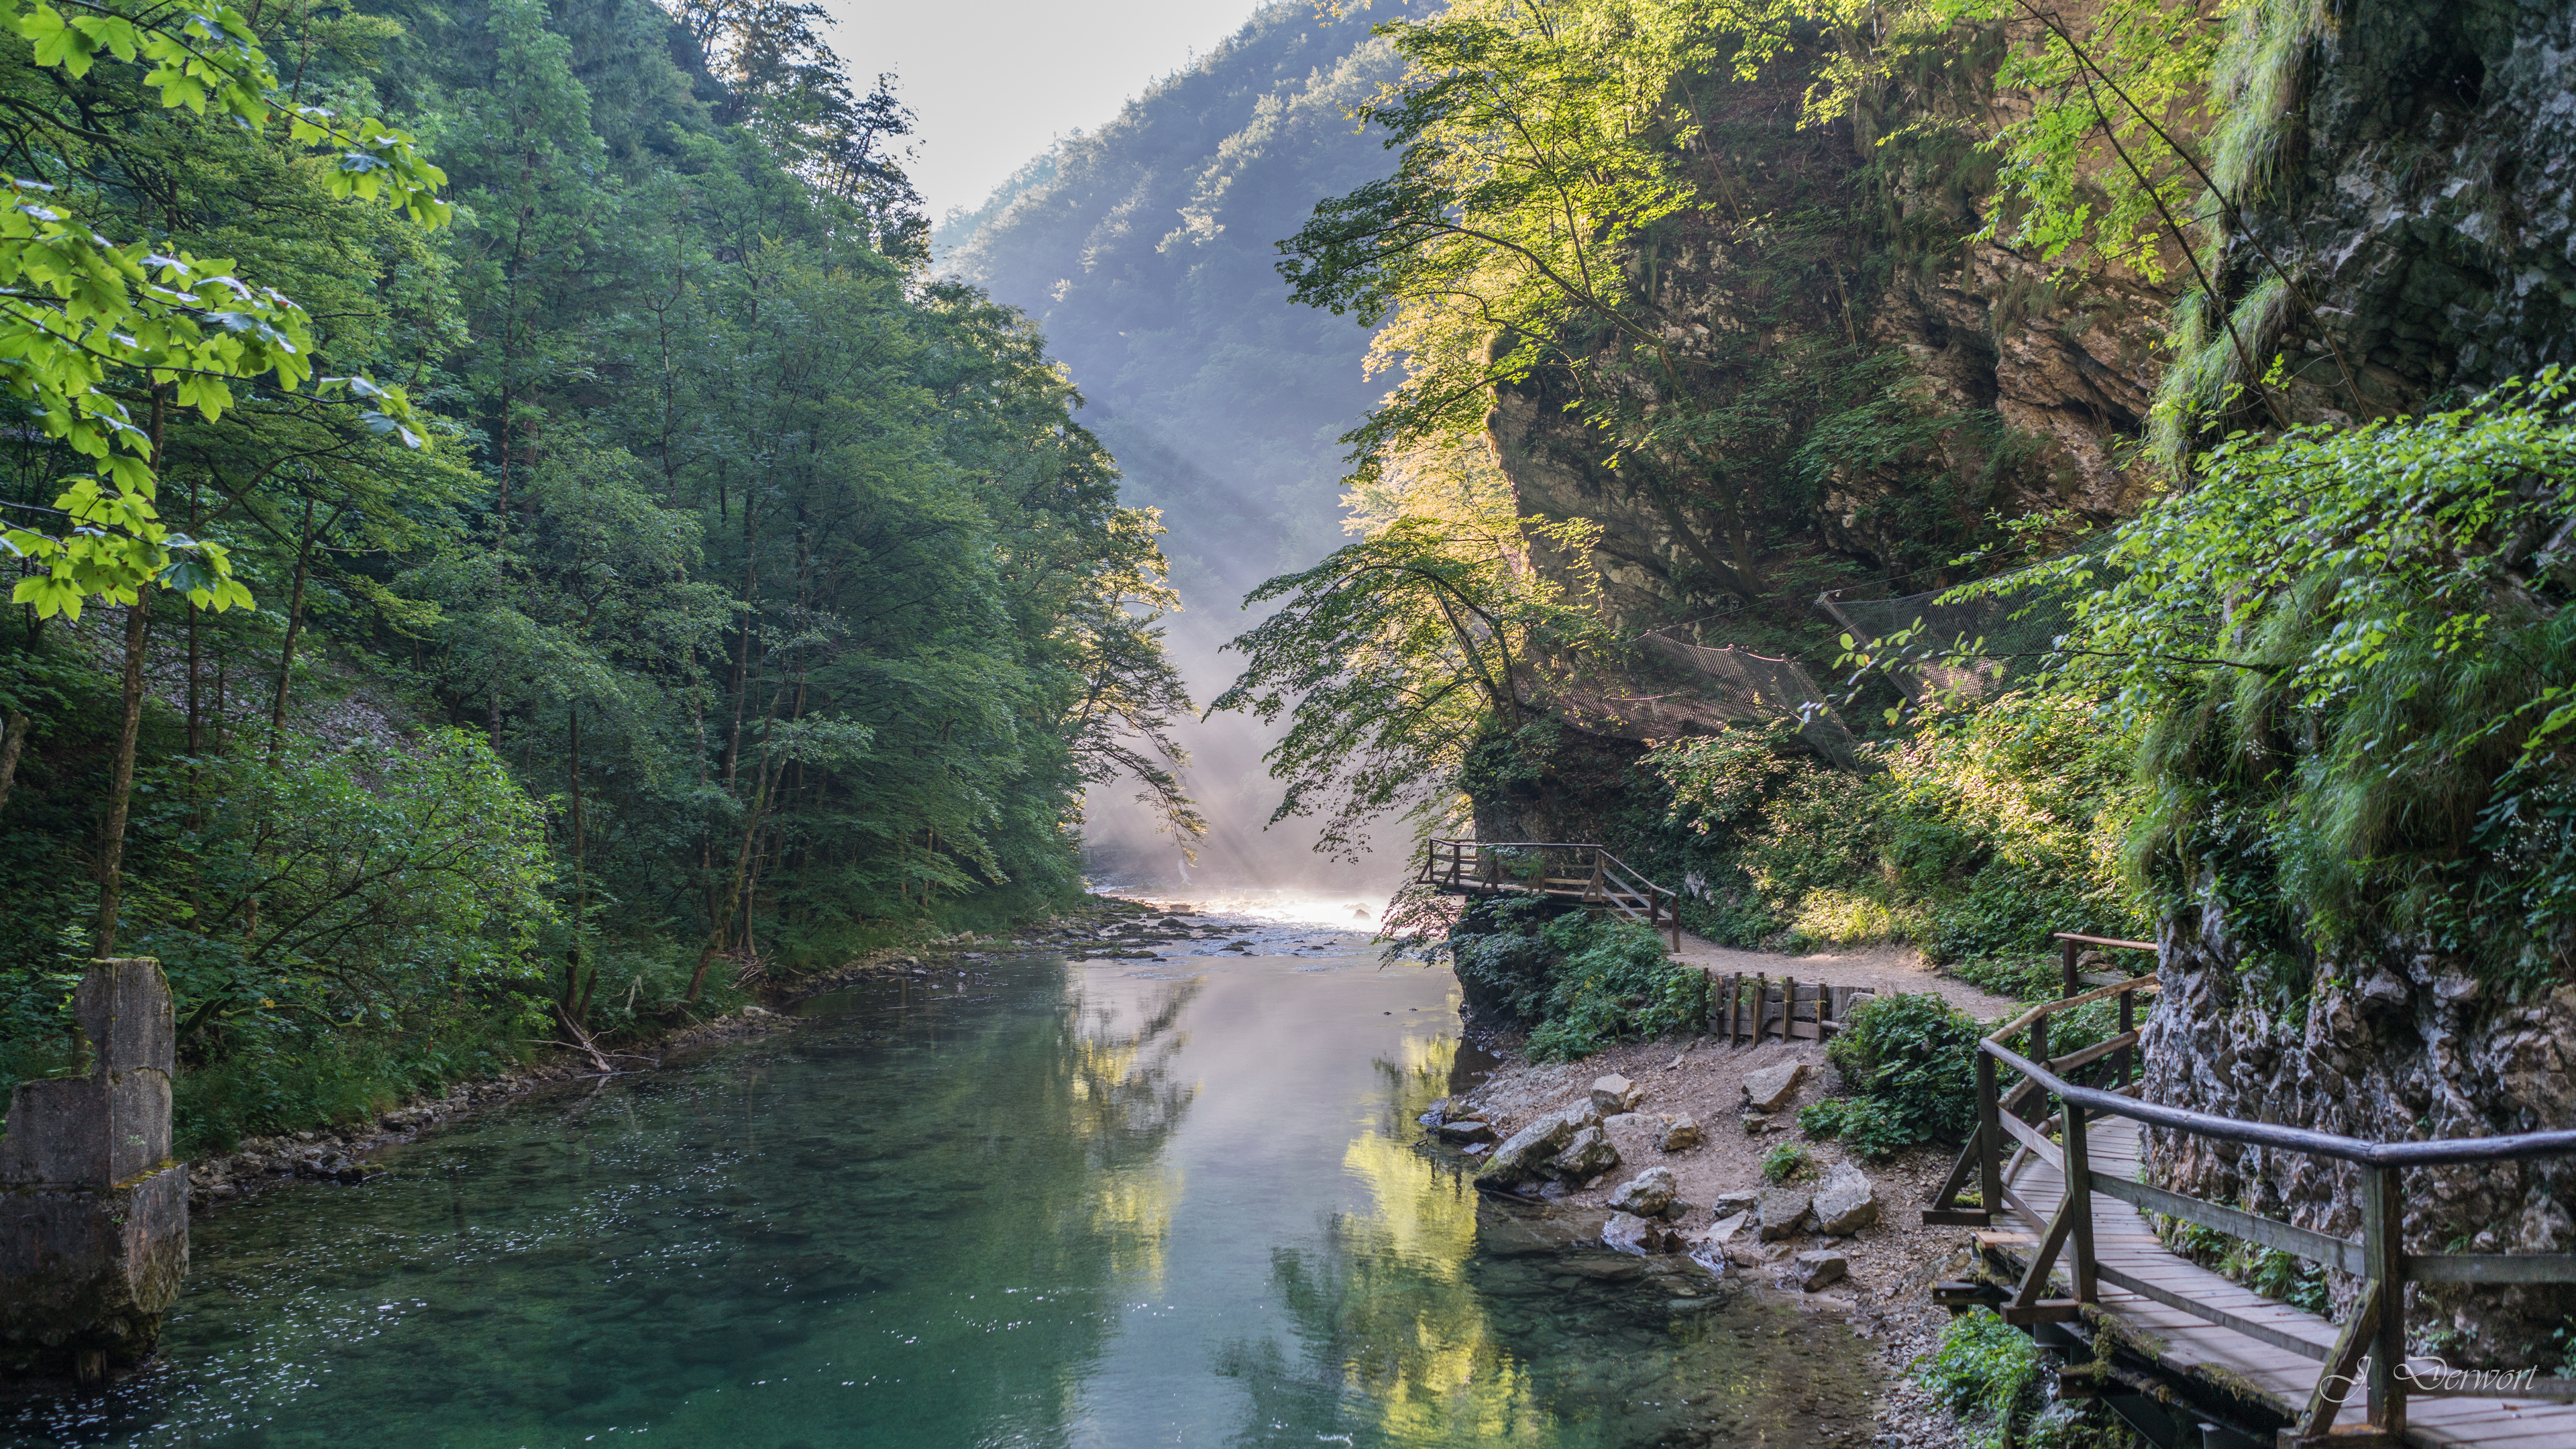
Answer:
x=1963 y=650
x=1744 y=685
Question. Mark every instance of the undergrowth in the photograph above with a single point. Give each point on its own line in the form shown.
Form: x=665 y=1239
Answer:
x=1974 y=839
x=1580 y=982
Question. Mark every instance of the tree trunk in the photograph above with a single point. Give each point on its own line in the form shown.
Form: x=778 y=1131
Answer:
x=120 y=788
x=13 y=738
x=577 y=991
x=294 y=627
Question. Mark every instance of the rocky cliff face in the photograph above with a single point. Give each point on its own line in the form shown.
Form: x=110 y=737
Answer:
x=2017 y=383
x=2415 y=172
x=2403 y=1046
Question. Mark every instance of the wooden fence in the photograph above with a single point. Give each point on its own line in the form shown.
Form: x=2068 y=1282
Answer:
x=1756 y=1008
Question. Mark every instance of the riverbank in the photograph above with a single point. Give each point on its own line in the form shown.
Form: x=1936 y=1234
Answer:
x=1884 y=1295
x=1104 y=925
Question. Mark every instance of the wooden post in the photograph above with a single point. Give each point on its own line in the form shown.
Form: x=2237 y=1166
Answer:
x=2079 y=1196
x=2121 y=1060
x=1761 y=1006
x=1788 y=1006
x=2074 y=980
x=1990 y=1142
x=2383 y=1253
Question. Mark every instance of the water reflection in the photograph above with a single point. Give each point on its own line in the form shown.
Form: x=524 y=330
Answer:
x=1073 y=1205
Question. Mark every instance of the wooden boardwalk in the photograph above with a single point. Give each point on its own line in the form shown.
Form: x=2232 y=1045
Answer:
x=2141 y=1282
x=1581 y=873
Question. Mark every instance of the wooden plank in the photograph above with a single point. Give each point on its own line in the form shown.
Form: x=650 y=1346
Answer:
x=2074 y=1061
x=2316 y=1247
x=2212 y=1314
x=2334 y=1385
x=2491 y=1268
x=2105 y=941
x=2030 y=1137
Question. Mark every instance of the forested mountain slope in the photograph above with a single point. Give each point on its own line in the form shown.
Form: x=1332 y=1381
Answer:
x=1144 y=249
x=688 y=587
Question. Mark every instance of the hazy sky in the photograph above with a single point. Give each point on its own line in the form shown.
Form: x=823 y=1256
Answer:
x=995 y=80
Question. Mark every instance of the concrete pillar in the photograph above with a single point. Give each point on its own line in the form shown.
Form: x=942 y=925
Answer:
x=93 y=1213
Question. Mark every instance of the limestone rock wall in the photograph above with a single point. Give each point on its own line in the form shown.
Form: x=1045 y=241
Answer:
x=2399 y=1047
x=2425 y=196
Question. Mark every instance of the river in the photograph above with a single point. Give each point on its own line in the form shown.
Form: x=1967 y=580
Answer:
x=1048 y=1202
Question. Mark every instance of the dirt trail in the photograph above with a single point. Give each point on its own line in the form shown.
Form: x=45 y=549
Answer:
x=1884 y=968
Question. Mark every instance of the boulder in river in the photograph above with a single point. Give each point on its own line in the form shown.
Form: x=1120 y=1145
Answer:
x=1844 y=1203
x=1680 y=1134
x=1615 y=1093
x=1773 y=1088
x=1818 y=1267
x=1784 y=1211
x=1466 y=1129
x=1523 y=1152
x=1647 y=1194
x=1629 y=1233
x=1587 y=1155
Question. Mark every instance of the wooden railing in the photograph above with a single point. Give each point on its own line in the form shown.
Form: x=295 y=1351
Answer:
x=2372 y=1343
x=1588 y=874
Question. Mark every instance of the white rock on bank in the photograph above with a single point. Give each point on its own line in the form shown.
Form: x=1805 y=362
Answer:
x=1773 y=1088
x=1844 y=1203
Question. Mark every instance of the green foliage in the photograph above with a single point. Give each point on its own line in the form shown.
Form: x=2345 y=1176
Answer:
x=86 y=319
x=2351 y=652
x=295 y=1084
x=1395 y=658
x=1611 y=980
x=1788 y=1162
x=1870 y=1128
x=1976 y=838
x=1915 y=1056
x=1987 y=1372
x=1580 y=982
x=760 y=600
x=2284 y=1277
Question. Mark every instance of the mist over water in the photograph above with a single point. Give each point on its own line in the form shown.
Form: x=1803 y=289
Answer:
x=1143 y=248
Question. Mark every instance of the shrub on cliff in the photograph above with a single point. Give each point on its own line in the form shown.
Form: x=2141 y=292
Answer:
x=1611 y=980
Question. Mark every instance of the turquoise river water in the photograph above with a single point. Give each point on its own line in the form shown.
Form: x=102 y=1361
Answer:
x=1103 y=1203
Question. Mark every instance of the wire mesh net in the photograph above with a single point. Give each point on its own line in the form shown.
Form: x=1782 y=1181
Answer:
x=1964 y=650
x=1744 y=685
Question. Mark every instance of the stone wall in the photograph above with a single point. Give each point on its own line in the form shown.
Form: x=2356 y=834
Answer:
x=93 y=1212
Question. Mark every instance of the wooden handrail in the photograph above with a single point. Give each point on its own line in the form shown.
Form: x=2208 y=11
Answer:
x=2451 y=1152
x=1604 y=878
x=2374 y=1335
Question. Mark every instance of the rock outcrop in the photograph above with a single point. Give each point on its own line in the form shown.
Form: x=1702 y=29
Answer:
x=1844 y=1203
x=2398 y=1047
